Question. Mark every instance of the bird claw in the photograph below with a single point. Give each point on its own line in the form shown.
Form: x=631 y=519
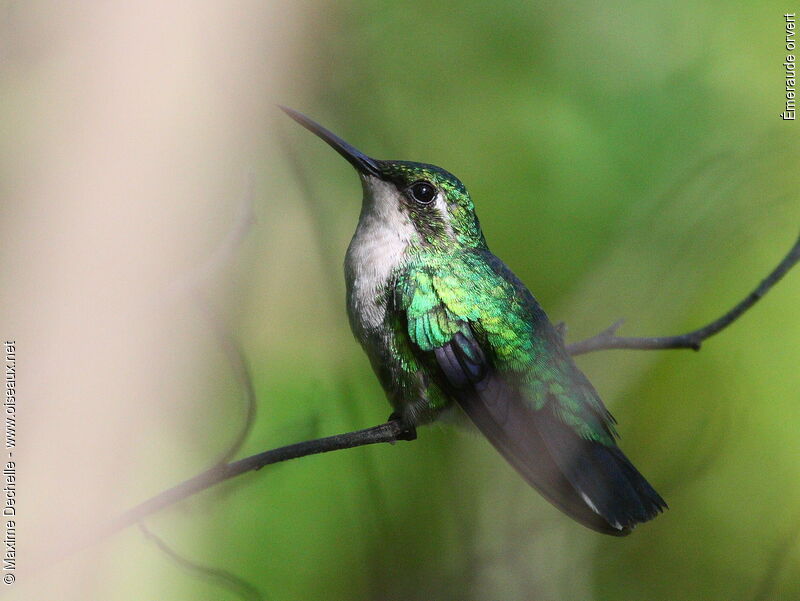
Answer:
x=407 y=432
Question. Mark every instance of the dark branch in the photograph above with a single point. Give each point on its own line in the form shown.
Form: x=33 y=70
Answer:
x=223 y=578
x=607 y=339
x=391 y=431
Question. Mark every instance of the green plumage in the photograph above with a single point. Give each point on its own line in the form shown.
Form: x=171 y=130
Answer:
x=446 y=324
x=467 y=292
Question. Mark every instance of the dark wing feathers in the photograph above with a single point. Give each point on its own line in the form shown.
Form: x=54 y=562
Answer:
x=590 y=481
x=611 y=485
x=594 y=484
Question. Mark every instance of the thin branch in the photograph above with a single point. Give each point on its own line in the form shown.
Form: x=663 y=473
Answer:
x=193 y=284
x=391 y=432
x=238 y=586
x=238 y=365
x=607 y=339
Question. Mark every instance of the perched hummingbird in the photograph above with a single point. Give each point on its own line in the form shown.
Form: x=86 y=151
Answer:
x=445 y=323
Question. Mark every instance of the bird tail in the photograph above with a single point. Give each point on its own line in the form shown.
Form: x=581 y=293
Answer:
x=593 y=483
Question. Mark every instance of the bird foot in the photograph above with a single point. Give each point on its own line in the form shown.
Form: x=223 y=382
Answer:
x=408 y=432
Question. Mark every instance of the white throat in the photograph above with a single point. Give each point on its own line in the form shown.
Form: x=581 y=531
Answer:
x=378 y=246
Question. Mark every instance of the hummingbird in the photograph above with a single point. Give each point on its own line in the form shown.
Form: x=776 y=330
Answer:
x=446 y=324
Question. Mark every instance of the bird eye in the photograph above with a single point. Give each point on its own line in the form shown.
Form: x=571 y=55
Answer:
x=423 y=192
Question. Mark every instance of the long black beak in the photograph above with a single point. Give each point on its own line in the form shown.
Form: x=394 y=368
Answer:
x=355 y=157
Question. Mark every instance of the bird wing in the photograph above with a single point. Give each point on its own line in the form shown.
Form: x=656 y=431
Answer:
x=496 y=353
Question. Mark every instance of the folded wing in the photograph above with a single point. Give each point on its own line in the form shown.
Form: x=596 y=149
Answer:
x=497 y=355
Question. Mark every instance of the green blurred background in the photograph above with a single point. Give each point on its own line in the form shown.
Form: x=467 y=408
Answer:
x=627 y=160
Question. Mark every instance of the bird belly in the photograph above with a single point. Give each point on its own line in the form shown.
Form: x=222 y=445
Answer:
x=373 y=257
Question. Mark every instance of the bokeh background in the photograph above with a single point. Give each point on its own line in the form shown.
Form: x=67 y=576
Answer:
x=627 y=161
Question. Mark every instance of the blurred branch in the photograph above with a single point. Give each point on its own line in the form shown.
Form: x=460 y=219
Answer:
x=607 y=339
x=238 y=586
x=192 y=285
x=391 y=432
x=238 y=364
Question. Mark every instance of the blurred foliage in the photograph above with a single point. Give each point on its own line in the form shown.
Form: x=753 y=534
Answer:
x=627 y=160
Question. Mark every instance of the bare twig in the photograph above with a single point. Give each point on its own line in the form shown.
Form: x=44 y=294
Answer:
x=239 y=586
x=193 y=283
x=391 y=431
x=607 y=339
x=239 y=366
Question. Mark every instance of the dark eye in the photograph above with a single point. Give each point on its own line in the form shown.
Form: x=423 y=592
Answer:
x=422 y=192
